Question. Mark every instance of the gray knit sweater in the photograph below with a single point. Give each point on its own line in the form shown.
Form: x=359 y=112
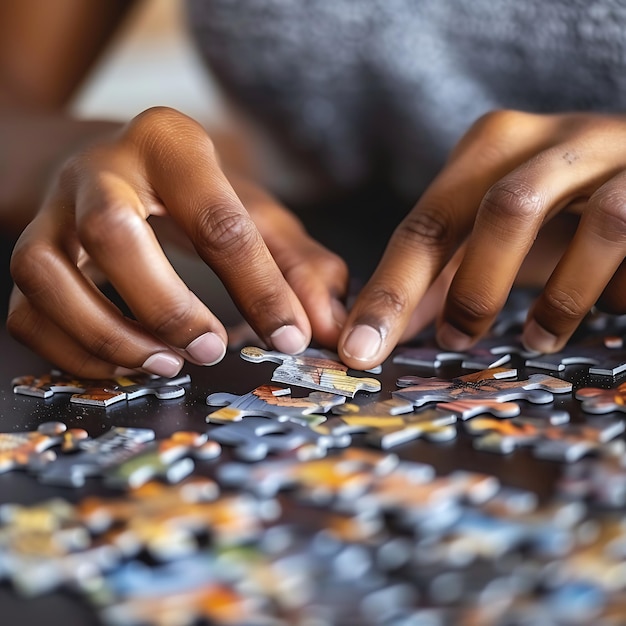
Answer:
x=362 y=87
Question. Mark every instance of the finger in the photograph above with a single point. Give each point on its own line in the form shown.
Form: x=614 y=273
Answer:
x=44 y=337
x=52 y=283
x=112 y=227
x=225 y=237
x=613 y=298
x=591 y=260
x=426 y=239
x=318 y=277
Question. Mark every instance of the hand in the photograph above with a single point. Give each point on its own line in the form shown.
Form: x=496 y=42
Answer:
x=96 y=213
x=509 y=175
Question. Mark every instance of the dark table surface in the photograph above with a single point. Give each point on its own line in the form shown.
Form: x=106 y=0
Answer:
x=233 y=375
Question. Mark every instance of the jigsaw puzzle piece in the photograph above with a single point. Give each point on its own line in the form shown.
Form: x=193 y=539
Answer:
x=484 y=385
x=312 y=373
x=95 y=456
x=602 y=360
x=345 y=475
x=597 y=400
x=170 y=459
x=31 y=449
x=166 y=520
x=255 y=437
x=271 y=401
x=392 y=422
x=107 y=392
x=103 y=392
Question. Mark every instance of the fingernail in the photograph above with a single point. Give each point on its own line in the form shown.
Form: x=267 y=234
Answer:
x=536 y=337
x=363 y=343
x=163 y=364
x=452 y=338
x=207 y=349
x=339 y=312
x=289 y=339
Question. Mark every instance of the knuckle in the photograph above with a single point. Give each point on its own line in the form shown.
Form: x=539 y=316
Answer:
x=168 y=318
x=106 y=345
x=564 y=305
x=221 y=229
x=512 y=199
x=472 y=307
x=21 y=325
x=99 y=228
x=430 y=227
x=391 y=299
x=266 y=307
x=610 y=208
x=30 y=264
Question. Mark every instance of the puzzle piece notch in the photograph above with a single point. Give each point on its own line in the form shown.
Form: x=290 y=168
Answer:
x=102 y=393
x=389 y=423
x=31 y=449
x=489 y=385
x=255 y=437
x=311 y=372
x=271 y=401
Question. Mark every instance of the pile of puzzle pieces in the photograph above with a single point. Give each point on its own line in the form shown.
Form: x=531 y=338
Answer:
x=293 y=505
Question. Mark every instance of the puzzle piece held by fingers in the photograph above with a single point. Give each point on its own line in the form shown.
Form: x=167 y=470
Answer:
x=311 y=372
x=597 y=400
x=96 y=456
x=483 y=385
x=170 y=459
x=31 y=448
x=103 y=392
x=390 y=423
x=271 y=401
x=255 y=437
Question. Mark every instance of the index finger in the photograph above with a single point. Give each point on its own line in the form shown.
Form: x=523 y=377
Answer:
x=429 y=235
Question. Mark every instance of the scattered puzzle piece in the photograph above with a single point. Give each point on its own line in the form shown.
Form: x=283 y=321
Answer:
x=311 y=372
x=597 y=400
x=101 y=392
x=389 y=423
x=602 y=360
x=484 y=385
x=255 y=437
x=271 y=401
x=31 y=448
x=96 y=456
x=169 y=459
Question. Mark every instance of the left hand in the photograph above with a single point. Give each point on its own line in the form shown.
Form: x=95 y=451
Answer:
x=509 y=175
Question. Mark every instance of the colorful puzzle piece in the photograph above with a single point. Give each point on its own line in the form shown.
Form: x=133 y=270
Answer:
x=166 y=519
x=169 y=459
x=104 y=392
x=390 y=423
x=344 y=475
x=271 y=401
x=484 y=385
x=96 y=456
x=551 y=437
x=31 y=448
x=597 y=400
x=311 y=372
x=255 y=437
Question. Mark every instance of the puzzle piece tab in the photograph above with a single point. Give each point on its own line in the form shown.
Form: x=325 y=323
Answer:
x=270 y=401
x=597 y=400
x=311 y=372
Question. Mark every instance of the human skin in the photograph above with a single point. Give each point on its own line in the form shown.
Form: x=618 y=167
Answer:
x=455 y=256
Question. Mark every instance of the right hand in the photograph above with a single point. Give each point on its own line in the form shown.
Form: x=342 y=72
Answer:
x=287 y=286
